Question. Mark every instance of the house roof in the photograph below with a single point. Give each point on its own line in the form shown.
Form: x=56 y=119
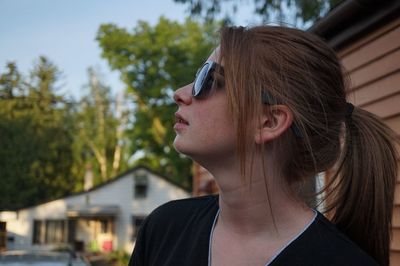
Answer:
x=122 y=175
x=129 y=171
x=353 y=18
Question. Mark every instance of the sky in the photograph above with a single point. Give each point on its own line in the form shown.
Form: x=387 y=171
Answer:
x=64 y=32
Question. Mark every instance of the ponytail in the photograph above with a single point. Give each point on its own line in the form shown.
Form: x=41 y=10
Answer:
x=361 y=192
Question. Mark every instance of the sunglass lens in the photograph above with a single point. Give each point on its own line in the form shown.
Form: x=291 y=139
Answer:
x=200 y=82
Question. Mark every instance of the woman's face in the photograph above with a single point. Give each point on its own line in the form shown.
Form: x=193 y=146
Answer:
x=204 y=128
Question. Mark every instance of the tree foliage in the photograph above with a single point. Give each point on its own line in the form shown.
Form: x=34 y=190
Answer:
x=153 y=62
x=36 y=144
x=291 y=11
x=99 y=132
x=47 y=141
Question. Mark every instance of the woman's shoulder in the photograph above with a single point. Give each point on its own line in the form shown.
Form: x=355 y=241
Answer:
x=187 y=204
x=176 y=232
x=183 y=209
x=325 y=229
x=324 y=244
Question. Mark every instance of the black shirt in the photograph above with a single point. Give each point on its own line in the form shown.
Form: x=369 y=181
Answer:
x=178 y=233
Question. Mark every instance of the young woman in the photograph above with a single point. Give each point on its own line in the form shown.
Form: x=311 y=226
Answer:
x=266 y=112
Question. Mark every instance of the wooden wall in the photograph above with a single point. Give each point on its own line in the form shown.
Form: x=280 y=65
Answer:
x=203 y=182
x=373 y=63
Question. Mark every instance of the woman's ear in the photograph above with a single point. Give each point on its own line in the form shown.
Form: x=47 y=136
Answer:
x=274 y=124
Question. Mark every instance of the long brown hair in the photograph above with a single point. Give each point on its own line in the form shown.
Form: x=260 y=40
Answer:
x=301 y=71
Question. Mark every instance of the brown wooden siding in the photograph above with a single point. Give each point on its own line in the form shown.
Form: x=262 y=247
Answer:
x=373 y=64
x=397 y=195
x=396 y=217
x=398 y=172
x=203 y=182
x=396 y=240
x=371 y=92
x=394 y=256
x=385 y=42
x=394 y=123
x=375 y=70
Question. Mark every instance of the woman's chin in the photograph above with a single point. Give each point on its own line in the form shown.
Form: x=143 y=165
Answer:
x=180 y=147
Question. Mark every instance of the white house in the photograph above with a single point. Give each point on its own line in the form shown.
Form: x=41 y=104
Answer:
x=103 y=218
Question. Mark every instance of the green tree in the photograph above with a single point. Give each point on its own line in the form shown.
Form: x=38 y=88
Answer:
x=153 y=62
x=10 y=82
x=99 y=125
x=292 y=11
x=35 y=158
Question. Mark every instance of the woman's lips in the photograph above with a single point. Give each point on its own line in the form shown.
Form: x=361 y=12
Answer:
x=180 y=122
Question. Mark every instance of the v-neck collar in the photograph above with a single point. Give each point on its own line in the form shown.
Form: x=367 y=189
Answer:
x=271 y=260
x=211 y=236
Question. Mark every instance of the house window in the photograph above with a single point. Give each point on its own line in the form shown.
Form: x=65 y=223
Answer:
x=55 y=231
x=136 y=223
x=141 y=186
x=38 y=237
x=105 y=226
x=49 y=231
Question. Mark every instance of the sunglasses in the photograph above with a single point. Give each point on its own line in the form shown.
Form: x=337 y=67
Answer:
x=204 y=80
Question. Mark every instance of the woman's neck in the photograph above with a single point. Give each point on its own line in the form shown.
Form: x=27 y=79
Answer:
x=258 y=206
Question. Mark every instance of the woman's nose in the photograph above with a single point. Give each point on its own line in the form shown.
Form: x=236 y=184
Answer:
x=183 y=95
